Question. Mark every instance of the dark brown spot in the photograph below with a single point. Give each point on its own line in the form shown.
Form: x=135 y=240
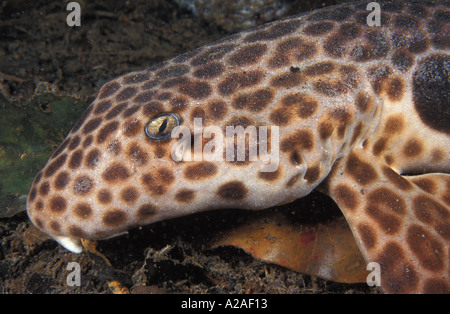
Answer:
x=196 y=90
x=319 y=68
x=280 y=116
x=437 y=155
x=83 y=185
x=164 y=96
x=106 y=131
x=430 y=92
x=93 y=158
x=305 y=105
x=104 y=196
x=419 y=43
x=146 y=211
x=129 y=195
x=62 y=179
x=39 y=205
x=425 y=184
x=44 y=188
x=32 y=195
x=39 y=223
x=217 y=110
x=144 y=97
x=364 y=102
x=291 y=51
x=58 y=204
x=152 y=108
x=233 y=190
x=362 y=172
x=185 y=196
x=178 y=104
x=346 y=196
x=102 y=107
x=75 y=159
x=402 y=275
x=115 y=111
x=159 y=181
x=199 y=113
x=379 y=146
x=38 y=178
x=88 y=141
x=255 y=101
x=287 y=80
x=375 y=46
x=92 y=125
x=295 y=158
x=301 y=139
x=402 y=60
x=312 y=174
x=55 y=226
x=83 y=211
x=200 y=171
x=412 y=148
x=115 y=172
x=125 y=94
x=239 y=80
x=109 y=89
x=114 y=217
x=385 y=207
x=74 y=143
x=293 y=180
x=368 y=235
x=150 y=84
x=55 y=165
x=429 y=211
x=405 y=21
x=345 y=82
x=397 y=180
x=271 y=176
x=138 y=156
x=247 y=55
x=395 y=89
x=325 y=130
x=318 y=29
x=236 y=121
x=394 y=125
x=209 y=71
x=132 y=128
x=436 y=286
x=77 y=232
x=114 y=148
x=159 y=152
x=175 y=82
x=429 y=251
x=130 y=111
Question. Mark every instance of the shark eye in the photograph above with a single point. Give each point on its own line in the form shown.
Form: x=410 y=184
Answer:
x=161 y=126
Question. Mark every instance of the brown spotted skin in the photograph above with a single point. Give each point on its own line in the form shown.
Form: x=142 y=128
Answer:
x=364 y=110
